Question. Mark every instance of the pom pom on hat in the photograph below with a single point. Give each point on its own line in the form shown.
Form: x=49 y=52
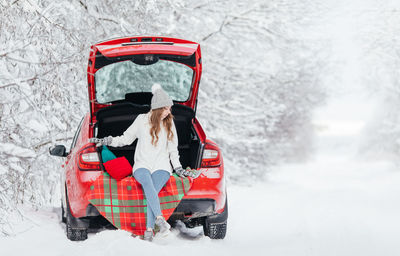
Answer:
x=155 y=87
x=160 y=98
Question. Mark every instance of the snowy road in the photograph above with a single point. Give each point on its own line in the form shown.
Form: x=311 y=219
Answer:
x=330 y=206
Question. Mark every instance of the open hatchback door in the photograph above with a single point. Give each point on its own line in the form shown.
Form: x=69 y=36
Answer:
x=124 y=70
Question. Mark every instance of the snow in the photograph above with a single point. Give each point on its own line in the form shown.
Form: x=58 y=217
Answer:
x=12 y=149
x=3 y=169
x=17 y=167
x=336 y=204
x=39 y=127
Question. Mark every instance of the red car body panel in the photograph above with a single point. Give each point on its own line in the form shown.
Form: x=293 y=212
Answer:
x=78 y=182
x=210 y=184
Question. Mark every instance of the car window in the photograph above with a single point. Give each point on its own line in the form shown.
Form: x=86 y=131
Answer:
x=77 y=132
x=115 y=80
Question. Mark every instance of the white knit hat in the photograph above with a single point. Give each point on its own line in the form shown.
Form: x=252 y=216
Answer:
x=160 y=98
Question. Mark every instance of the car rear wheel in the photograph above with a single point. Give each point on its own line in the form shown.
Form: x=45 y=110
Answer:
x=75 y=232
x=215 y=226
x=63 y=218
x=215 y=230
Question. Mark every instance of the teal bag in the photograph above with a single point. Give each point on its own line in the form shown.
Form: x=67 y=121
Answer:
x=107 y=155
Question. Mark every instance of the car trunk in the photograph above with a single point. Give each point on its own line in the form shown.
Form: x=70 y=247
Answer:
x=115 y=119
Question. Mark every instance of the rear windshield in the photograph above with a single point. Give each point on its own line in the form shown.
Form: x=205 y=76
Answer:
x=115 y=80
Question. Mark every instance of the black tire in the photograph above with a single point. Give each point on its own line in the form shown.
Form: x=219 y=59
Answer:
x=215 y=226
x=63 y=218
x=76 y=234
x=73 y=233
x=215 y=230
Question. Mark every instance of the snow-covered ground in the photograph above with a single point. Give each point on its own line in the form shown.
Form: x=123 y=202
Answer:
x=336 y=204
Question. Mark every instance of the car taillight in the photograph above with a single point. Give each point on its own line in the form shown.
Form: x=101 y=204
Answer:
x=88 y=159
x=211 y=156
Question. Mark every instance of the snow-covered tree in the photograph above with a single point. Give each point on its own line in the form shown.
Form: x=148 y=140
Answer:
x=260 y=81
x=381 y=60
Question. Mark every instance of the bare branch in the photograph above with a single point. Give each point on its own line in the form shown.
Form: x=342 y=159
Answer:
x=96 y=15
x=226 y=23
x=50 y=141
x=215 y=32
x=14 y=50
x=38 y=63
x=25 y=80
x=70 y=35
x=84 y=5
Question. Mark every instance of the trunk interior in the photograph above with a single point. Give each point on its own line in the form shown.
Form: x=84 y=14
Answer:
x=115 y=119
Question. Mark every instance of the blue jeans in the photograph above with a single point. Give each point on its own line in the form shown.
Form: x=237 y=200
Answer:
x=152 y=184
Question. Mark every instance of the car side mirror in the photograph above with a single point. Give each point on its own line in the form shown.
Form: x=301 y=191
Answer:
x=58 y=150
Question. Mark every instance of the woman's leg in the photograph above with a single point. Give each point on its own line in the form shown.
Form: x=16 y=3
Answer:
x=143 y=176
x=159 y=177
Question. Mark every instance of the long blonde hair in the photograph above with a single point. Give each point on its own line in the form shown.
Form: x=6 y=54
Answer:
x=155 y=127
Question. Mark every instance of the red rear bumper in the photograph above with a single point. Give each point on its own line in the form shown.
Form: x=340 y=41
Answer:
x=209 y=185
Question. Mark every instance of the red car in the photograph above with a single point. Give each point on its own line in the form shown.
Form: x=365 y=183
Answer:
x=120 y=75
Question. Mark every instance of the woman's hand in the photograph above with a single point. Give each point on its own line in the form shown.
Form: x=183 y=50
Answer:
x=180 y=171
x=100 y=142
x=193 y=173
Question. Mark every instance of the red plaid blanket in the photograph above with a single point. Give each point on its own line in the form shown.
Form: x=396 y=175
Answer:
x=123 y=202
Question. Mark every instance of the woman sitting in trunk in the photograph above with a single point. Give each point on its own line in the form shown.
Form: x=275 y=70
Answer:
x=157 y=146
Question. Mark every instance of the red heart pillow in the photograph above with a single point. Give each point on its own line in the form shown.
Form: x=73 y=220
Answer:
x=118 y=168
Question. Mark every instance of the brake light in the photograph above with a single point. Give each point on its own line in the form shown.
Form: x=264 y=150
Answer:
x=211 y=156
x=88 y=159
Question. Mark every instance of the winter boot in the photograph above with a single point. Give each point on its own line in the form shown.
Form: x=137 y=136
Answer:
x=148 y=235
x=163 y=225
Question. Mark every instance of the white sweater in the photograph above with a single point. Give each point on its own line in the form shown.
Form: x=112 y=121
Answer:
x=147 y=155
